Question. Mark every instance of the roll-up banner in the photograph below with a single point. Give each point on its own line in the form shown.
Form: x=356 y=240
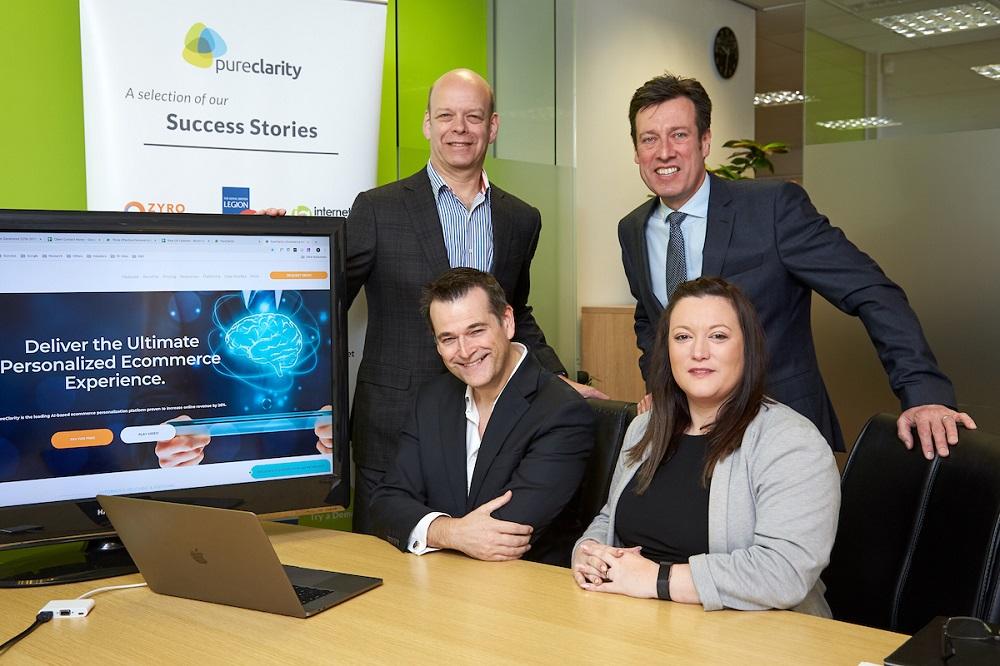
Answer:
x=213 y=106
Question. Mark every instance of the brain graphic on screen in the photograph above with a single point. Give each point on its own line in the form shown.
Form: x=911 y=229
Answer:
x=270 y=339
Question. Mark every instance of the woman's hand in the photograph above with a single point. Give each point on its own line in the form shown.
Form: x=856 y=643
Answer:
x=590 y=562
x=682 y=587
x=627 y=573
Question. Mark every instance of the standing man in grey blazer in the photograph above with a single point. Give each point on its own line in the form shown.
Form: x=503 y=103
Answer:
x=767 y=238
x=401 y=236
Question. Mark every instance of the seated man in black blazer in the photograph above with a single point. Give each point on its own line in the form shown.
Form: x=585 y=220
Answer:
x=493 y=452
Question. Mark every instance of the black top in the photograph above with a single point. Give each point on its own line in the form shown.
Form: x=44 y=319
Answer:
x=669 y=520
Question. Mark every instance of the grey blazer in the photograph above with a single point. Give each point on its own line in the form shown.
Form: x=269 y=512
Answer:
x=772 y=516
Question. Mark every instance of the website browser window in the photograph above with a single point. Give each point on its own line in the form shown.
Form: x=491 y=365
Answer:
x=141 y=362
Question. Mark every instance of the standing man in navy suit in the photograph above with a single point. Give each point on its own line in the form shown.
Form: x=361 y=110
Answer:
x=492 y=453
x=769 y=239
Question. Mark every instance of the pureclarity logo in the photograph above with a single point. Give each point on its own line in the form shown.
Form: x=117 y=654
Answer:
x=204 y=47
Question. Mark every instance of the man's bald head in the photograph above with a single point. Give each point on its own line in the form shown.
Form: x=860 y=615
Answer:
x=460 y=125
x=466 y=76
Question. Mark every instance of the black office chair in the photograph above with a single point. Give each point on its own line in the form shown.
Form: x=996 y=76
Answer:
x=610 y=425
x=916 y=538
x=613 y=418
x=991 y=611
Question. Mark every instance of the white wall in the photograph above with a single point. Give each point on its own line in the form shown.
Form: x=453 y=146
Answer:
x=619 y=46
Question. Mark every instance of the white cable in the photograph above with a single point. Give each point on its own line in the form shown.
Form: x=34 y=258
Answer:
x=87 y=595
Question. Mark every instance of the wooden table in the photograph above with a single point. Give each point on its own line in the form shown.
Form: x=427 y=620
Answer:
x=440 y=607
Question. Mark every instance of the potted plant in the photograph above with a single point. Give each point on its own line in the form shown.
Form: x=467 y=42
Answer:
x=748 y=155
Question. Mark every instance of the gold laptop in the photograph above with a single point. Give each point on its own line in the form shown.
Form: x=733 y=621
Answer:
x=222 y=556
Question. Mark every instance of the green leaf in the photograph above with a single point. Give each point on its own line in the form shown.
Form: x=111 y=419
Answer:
x=749 y=155
x=725 y=171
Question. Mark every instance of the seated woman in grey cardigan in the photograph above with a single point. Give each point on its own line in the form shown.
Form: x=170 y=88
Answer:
x=721 y=496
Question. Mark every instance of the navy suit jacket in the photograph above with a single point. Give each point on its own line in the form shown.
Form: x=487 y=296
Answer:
x=768 y=238
x=536 y=444
x=395 y=246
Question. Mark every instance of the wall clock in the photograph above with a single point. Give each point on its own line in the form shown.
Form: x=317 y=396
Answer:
x=727 y=52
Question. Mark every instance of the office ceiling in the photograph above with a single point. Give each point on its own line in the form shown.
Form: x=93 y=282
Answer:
x=850 y=22
x=924 y=82
x=769 y=4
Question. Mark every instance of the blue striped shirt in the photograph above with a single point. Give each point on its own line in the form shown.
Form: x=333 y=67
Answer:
x=468 y=235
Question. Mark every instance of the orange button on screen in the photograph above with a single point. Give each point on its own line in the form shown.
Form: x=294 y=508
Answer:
x=298 y=275
x=74 y=439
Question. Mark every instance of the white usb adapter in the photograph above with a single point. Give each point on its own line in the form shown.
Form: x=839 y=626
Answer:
x=68 y=608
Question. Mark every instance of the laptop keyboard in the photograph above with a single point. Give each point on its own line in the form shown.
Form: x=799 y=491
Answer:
x=307 y=594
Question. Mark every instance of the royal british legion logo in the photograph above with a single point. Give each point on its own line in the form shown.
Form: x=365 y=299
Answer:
x=235 y=200
x=202 y=45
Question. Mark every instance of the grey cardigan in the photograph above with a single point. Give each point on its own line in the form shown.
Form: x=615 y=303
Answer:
x=772 y=516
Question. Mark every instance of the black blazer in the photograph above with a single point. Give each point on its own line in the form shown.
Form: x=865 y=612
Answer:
x=766 y=237
x=536 y=444
x=395 y=246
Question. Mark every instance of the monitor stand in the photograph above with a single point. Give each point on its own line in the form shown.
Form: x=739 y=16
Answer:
x=102 y=557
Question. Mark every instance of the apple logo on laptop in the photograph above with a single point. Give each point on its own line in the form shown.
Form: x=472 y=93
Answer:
x=198 y=556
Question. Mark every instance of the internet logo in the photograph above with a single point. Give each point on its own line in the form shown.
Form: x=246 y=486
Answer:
x=201 y=45
x=302 y=210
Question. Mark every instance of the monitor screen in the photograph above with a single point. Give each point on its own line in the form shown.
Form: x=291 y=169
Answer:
x=191 y=357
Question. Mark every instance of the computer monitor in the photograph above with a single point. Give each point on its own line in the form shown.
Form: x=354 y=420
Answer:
x=192 y=358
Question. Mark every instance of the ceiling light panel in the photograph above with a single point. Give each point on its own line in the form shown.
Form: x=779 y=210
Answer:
x=780 y=98
x=871 y=122
x=989 y=71
x=943 y=20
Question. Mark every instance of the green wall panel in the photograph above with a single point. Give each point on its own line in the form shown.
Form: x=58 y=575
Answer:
x=387 y=157
x=433 y=36
x=41 y=115
x=835 y=76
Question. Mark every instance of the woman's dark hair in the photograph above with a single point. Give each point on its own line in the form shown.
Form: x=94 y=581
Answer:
x=669 y=415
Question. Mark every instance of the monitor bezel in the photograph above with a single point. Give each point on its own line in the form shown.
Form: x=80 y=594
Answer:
x=73 y=520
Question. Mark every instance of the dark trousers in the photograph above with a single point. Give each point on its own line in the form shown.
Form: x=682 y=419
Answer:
x=365 y=481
